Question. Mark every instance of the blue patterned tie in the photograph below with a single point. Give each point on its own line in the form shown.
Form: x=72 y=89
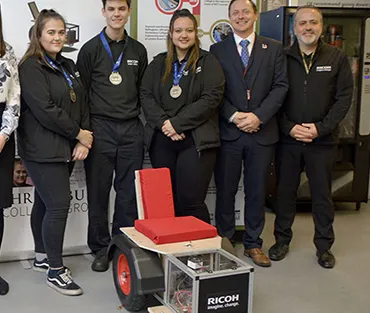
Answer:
x=245 y=54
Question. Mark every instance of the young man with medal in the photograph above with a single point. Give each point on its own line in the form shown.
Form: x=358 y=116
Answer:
x=256 y=84
x=180 y=94
x=112 y=65
x=53 y=132
x=319 y=97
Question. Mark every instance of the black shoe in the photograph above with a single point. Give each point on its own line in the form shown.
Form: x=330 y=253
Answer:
x=43 y=266
x=62 y=282
x=4 y=287
x=326 y=259
x=278 y=251
x=101 y=263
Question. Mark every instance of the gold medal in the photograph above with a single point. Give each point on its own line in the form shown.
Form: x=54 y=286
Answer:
x=175 y=91
x=72 y=95
x=115 y=78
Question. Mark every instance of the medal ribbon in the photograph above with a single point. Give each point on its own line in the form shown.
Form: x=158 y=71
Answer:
x=52 y=64
x=307 y=66
x=178 y=74
x=116 y=65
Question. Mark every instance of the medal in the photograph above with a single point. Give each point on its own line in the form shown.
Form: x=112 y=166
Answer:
x=115 y=78
x=175 y=92
x=72 y=95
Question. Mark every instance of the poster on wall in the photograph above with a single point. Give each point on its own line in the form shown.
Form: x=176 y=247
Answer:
x=80 y=27
x=18 y=240
x=358 y=4
x=154 y=17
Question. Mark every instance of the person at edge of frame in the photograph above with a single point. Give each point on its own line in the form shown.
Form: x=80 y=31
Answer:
x=318 y=99
x=181 y=91
x=9 y=116
x=53 y=132
x=112 y=65
x=256 y=85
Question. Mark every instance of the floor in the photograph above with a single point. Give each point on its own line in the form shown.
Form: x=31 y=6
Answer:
x=296 y=284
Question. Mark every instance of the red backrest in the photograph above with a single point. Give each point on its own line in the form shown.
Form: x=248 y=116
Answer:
x=156 y=192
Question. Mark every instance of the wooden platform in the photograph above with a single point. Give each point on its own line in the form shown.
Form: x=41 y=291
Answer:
x=194 y=246
x=159 y=309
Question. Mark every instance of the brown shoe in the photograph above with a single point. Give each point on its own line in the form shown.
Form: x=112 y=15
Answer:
x=258 y=257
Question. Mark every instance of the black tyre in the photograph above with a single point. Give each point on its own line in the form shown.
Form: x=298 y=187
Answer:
x=125 y=277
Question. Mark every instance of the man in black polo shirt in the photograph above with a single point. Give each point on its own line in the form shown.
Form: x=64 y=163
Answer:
x=111 y=66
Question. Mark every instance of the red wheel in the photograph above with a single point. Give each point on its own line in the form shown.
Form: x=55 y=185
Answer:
x=123 y=274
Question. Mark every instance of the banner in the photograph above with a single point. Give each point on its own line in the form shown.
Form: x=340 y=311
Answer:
x=358 y=4
x=18 y=239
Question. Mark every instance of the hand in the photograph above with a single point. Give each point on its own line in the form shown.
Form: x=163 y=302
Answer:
x=301 y=133
x=250 y=123
x=239 y=117
x=80 y=152
x=168 y=129
x=178 y=137
x=312 y=129
x=85 y=137
x=2 y=142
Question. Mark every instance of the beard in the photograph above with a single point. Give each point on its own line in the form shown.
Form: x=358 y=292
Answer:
x=309 y=40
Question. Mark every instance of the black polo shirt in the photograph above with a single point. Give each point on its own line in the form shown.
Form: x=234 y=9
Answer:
x=118 y=102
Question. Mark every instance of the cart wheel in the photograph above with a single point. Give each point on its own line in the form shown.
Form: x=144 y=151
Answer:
x=123 y=276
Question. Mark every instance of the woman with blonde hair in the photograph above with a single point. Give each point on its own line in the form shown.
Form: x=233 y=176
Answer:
x=52 y=134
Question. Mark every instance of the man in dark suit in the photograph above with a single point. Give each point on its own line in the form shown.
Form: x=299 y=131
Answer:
x=256 y=84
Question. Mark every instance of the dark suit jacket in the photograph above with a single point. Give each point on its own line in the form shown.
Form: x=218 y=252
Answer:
x=266 y=79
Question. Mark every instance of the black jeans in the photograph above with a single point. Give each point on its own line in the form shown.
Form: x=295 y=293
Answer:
x=118 y=147
x=191 y=172
x=318 y=161
x=50 y=208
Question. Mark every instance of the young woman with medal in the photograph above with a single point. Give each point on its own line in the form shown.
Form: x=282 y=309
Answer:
x=53 y=133
x=9 y=114
x=180 y=94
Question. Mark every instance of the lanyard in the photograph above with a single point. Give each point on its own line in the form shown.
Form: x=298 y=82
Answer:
x=177 y=74
x=117 y=64
x=307 y=67
x=52 y=64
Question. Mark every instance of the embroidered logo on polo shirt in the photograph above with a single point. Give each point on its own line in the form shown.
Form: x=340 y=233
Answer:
x=326 y=68
x=133 y=62
x=198 y=70
x=77 y=74
x=185 y=73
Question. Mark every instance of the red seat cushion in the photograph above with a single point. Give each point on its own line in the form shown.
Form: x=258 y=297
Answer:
x=156 y=190
x=175 y=229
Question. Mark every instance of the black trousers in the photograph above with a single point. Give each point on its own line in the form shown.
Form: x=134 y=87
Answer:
x=50 y=208
x=118 y=147
x=6 y=180
x=191 y=172
x=318 y=163
x=256 y=159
